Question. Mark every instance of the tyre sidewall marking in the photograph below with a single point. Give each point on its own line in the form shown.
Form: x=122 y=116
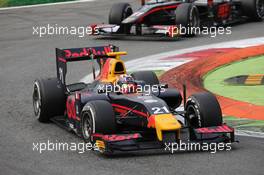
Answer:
x=36 y=84
x=257 y=9
x=91 y=110
x=191 y=17
x=193 y=102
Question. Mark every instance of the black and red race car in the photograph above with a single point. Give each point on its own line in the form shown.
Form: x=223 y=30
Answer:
x=144 y=114
x=165 y=17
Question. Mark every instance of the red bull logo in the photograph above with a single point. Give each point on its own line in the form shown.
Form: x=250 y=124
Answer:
x=71 y=53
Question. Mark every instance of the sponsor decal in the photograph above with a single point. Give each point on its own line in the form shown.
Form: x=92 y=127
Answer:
x=69 y=53
x=70 y=105
x=115 y=137
x=150 y=101
x=218 y=129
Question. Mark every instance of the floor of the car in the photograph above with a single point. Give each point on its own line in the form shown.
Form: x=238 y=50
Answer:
x=61 y=122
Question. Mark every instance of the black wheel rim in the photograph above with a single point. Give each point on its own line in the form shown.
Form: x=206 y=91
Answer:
x=192 y=116
x=194 y=19
x=87 y=127
x=260 y=8
x=127 y=12
x=36 y=100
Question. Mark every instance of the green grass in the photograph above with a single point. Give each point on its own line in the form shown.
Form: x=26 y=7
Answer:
x=159 y=72
x=3 y=3
x=245 y=124
x=10 y=3
x=214 y=81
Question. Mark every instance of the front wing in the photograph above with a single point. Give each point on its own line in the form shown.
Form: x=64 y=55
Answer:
x=136 y=141
x=156 y=30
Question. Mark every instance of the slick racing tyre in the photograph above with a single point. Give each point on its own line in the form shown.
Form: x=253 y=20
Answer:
x=149 y=77
x=118 y=13
x=254 y=9
x=187 y=16
x=48 y=99
x=97 y=117
x=203 y=110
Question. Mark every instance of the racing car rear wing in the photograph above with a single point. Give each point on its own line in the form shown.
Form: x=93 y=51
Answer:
x=80 y=54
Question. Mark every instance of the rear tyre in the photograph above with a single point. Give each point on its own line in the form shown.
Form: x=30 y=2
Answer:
x=149 y=77
x=97 y=117
x=187 y=16
x=48 y=99
x=254 y=9
x=118 y=13
x=203 y=110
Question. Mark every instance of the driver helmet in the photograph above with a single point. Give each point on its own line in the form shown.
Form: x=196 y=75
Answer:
x=127 y=84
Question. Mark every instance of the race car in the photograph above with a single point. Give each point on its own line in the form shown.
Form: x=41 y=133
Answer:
x=168 y=17
x=118 y=111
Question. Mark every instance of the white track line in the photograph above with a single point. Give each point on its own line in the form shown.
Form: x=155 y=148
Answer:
x=236 y=44
x=249 y=134
x=44 y=5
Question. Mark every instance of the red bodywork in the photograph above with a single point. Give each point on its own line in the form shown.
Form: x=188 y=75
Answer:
x=223 y=11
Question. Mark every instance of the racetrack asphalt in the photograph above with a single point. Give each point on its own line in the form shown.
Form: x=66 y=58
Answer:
x=25 y=57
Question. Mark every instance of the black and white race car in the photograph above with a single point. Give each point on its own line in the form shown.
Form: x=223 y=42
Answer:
x=165 y=17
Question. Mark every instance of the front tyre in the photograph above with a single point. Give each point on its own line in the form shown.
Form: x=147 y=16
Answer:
x=203 y=110
x=187 y=16
x=254 y=9
x=118 y=13
x=97 y=117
